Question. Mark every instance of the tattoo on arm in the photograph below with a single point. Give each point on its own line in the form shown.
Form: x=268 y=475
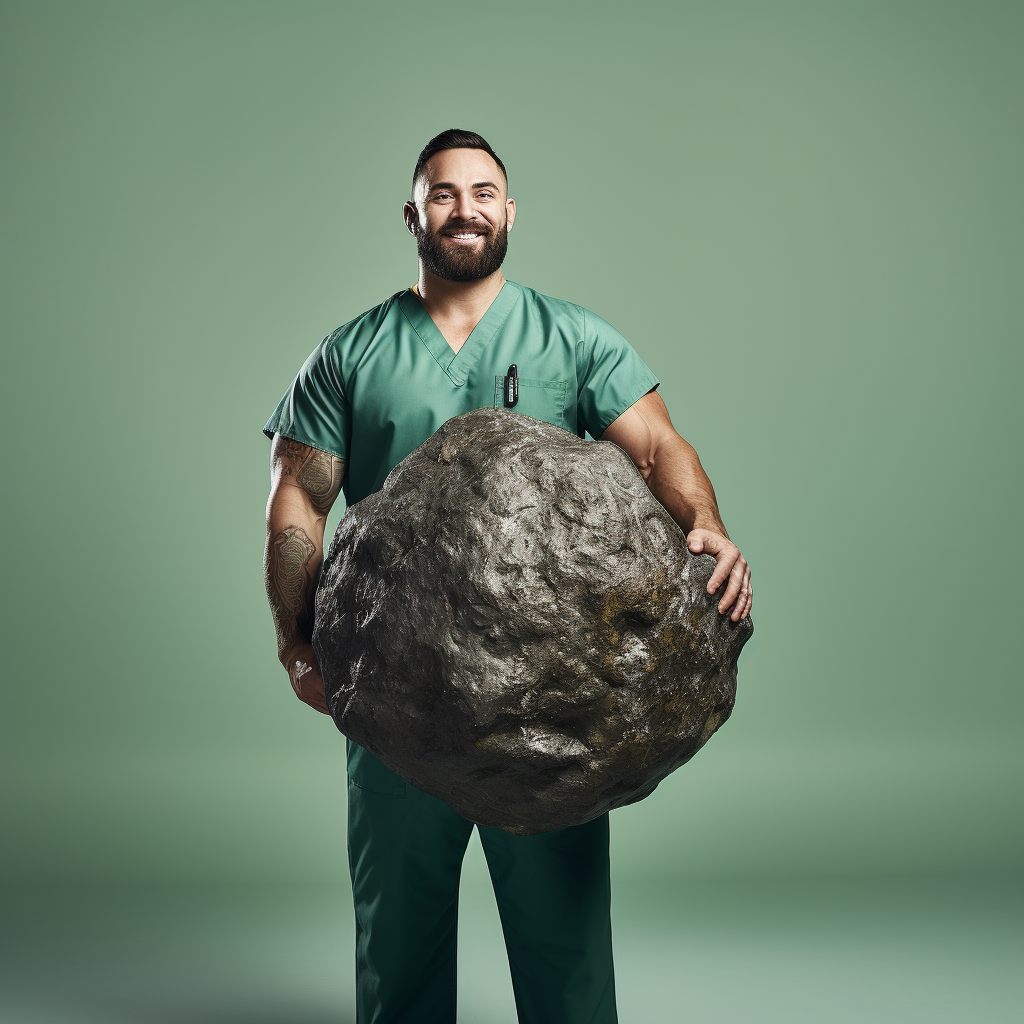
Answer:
x=290 y=586
x=291 y=453
x=293 y=554
x=292 y=551
x=316 y=478
x=318 y=473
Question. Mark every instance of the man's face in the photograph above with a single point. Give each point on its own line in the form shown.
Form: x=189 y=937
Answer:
x=460 y=215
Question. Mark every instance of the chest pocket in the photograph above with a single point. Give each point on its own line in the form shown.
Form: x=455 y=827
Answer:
x=370 y=773
x=541 y=399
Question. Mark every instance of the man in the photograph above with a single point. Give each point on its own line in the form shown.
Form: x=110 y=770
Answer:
x=370 y=393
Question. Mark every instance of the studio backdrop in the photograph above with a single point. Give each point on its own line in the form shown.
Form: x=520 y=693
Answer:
x=805 y=217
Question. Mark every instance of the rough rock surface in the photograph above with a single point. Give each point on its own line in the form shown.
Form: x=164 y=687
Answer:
x=514 y=624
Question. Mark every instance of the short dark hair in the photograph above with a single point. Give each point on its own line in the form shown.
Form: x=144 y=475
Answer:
x=455 y=138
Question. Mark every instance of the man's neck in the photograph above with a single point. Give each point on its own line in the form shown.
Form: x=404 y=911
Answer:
x=463 y=301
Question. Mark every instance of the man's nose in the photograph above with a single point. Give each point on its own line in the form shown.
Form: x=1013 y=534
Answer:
x=464 y=209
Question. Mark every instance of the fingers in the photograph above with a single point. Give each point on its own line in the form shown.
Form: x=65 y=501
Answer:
x=732 y=591
x=721 y=573
x=728 y=557
x=312 y=693
x=731 y=566
x=724 y=551
x=745 y=598
x=308 y=685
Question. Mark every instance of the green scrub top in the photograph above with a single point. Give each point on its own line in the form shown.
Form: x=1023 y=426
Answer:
x=379 y=386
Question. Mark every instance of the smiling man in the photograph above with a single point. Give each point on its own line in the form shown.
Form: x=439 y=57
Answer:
x=371 y=392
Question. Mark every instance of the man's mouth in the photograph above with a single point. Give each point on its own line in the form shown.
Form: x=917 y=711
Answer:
x=464 y=236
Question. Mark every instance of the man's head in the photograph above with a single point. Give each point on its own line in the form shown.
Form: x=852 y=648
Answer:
x=460 y=213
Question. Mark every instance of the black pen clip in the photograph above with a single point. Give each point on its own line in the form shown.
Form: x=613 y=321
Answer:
x=512 y=386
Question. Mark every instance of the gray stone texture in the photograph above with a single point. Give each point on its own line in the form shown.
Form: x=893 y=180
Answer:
x=514 y=624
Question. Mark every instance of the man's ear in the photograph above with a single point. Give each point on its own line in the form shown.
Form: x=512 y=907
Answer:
x=411 y=215
x=510 y=213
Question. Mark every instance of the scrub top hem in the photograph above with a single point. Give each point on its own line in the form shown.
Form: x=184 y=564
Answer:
x=294 y=436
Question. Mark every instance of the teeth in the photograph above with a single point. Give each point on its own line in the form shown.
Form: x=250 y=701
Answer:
x=466 y=236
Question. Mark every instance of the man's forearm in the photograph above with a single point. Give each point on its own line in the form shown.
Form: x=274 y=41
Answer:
x=291 y=569
x=304 y=483
x=677 y=479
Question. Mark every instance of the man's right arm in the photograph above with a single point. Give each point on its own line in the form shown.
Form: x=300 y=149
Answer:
x=304 y=483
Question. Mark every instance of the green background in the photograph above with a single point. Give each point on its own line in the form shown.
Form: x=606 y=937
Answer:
x=806 y=217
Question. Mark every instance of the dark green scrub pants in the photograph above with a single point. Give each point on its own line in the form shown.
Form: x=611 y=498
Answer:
x=553 y=892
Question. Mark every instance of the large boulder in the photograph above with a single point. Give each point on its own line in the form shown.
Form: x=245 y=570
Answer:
x=513 y=623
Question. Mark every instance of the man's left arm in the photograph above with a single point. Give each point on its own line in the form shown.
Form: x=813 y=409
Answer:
x=676 y=478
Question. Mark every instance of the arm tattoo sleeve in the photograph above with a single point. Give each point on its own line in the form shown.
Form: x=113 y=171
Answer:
x=290 y=586
x=292 y=557
x=317 y=476
x=318 y=473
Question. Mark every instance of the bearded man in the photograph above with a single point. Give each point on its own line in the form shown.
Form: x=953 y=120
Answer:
x=464 y=337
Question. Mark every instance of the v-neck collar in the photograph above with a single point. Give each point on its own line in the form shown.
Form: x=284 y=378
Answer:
x=457 y=365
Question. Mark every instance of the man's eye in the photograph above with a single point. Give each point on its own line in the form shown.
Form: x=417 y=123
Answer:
x=485 y=195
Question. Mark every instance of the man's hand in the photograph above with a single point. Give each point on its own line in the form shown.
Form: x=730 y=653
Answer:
x=731 y=565
x=304 y=673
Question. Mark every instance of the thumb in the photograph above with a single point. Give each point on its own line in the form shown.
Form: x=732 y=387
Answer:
x=695 y=542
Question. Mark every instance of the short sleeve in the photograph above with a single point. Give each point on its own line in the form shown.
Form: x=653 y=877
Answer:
x=315 y=409
x=610 y=373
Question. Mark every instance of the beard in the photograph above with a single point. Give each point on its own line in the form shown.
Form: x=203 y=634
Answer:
x=453 y=262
